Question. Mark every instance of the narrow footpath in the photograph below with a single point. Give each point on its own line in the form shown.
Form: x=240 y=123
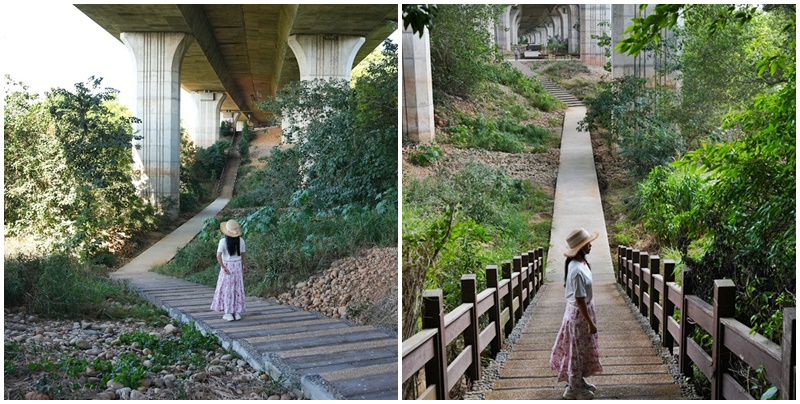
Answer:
x=633 y=368
x=324 y=358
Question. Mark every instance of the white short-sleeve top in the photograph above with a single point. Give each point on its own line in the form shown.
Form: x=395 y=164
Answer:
x=579 y=282
x=223 y=248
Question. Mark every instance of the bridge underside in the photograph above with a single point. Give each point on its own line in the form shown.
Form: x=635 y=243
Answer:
x=241 y=49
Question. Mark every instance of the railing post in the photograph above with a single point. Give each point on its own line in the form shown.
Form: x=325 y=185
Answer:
x=628 y=272
x=669 y=308
x=492 y=281
x=541 y=266
x=509 y=298
x=655 y=294
x=620 y=258
x=517 y=262
x=525 y=276
x=788 y=385
x=469 y=294
x=534 y=271
x=433 y=317
x=724 y=306
x=635 y=278
x=644 y=262
x=686 y=327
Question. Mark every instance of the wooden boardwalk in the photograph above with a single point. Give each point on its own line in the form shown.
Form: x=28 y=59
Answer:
x=633 y=368
x=324 y=358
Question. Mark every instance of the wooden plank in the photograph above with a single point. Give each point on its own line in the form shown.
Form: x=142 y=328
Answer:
x=646 y=276
x=457 y=368
x=658 y=283
x=674 y=329
x=514 y=280
x=486 y=337
x=485 y=301
x=754 y=349
x=502 y=288
x=675 y=293
x=504 y=316
x=428 y=394
x=701 y=312
x=732 y=390
x=417 y=351
x=456 y=322
x=699 y=357
x=658 y=311
x=515 y=304
x=646 y=300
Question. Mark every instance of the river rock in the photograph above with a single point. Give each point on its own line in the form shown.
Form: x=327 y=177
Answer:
x=124 y=393
x=170 y=329
x=83 y=344
x=137 y=395
x=114 y=385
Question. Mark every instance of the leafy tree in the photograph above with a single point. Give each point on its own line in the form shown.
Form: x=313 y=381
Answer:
x=347 y=137
x=710 y=90
x=70 y=169
x=461 y=46
x=749 y=213
x=419 y=17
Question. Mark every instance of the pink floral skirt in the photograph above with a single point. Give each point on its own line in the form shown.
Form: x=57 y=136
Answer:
x=576 y=350
x=229 y=295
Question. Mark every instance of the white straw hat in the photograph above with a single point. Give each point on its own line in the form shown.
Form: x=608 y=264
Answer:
x=230 y=228
x=577 y=239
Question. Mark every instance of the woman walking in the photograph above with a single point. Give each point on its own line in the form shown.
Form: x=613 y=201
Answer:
x=229 y=295
x=575 y=353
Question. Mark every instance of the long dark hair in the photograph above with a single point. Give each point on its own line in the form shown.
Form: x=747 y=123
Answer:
x=233 y=245
x=582 y=256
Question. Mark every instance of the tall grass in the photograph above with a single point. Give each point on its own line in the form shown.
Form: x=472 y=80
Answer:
x=58 y=286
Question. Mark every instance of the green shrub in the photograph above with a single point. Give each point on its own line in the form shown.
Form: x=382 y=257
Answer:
x=273 y=185
x=211 y=160
x=425 y=155
x=503 y=135
x=58 y=286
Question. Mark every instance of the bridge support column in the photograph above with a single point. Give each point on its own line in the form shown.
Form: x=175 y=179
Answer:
x=208 y=117
x=156 y=156
x=325 y=56
x=591 y=17
x=622 y=63
x=418 y=123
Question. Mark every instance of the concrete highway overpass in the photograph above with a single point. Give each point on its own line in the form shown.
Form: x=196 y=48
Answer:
x=228 y=56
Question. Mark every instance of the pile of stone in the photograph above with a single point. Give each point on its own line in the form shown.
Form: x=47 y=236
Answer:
x=350 y=286
x=225 y=376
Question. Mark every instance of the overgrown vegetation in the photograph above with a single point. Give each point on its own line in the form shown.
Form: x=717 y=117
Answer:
x=68 y=170
x=59 y=286
x=331 y=194
x=726 y=206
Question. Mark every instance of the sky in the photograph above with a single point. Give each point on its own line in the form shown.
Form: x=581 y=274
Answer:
x=53 y=44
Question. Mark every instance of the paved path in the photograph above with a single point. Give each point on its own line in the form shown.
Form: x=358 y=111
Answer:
x=323 y=357
x=632 y=367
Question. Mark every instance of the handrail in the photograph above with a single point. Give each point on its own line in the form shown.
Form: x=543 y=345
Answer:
x=729 y=336
x=506 y=291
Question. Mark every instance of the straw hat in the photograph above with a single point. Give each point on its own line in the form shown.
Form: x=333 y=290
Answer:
x=577 y=239
x=230 y=228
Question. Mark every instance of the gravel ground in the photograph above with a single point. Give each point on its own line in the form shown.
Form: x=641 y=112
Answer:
x=31 y=343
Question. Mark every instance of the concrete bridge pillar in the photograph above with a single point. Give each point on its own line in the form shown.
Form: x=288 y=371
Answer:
x=325 y=56
x=502 y=30
x=591 y=17
x=418 y=123
x=208 y=108
x=622 y=64
x=156 y=156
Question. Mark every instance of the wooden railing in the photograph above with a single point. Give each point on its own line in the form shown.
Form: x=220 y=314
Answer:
x=503 y=301
x=657 y=297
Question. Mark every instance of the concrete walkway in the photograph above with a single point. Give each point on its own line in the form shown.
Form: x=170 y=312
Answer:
x=324 y=358
x=632 y=367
